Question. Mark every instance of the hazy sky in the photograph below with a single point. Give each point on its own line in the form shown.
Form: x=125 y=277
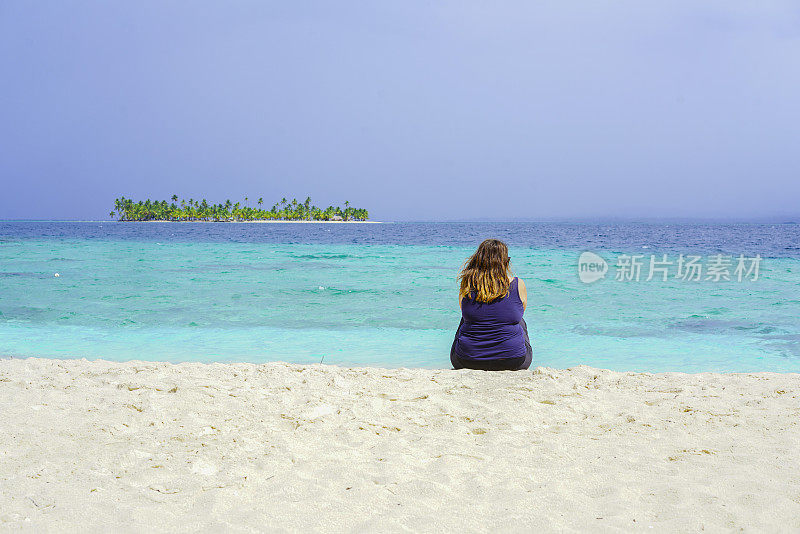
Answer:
x=415 y=110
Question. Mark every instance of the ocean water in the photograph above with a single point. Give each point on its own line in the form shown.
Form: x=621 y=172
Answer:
x=386 y=294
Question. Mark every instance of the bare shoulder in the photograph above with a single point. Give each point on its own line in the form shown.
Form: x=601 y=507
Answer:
x=523 y=291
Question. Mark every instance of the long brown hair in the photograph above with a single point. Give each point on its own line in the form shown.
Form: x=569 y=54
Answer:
x=486 y=272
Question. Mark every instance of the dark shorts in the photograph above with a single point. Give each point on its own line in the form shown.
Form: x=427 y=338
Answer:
x=510 y=364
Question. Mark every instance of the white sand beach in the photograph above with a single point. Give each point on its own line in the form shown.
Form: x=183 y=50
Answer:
x=155 y=447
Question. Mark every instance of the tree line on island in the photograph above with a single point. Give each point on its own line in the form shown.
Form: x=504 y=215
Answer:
x=200 y=210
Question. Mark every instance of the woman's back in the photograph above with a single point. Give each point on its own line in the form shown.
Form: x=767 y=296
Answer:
x=492 y=335
x=492 y=330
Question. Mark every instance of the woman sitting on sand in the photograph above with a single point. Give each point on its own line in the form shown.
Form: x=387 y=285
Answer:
x=492 y=335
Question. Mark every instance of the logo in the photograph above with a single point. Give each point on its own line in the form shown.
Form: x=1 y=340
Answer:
x=591 y=267
x=687 y=268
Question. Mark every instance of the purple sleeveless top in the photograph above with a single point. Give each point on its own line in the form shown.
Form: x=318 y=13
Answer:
x=492 y=330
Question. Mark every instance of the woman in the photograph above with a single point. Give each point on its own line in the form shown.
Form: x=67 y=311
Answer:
x=492 y=335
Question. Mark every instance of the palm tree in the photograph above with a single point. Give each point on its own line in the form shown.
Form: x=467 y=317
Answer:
x=147 y=210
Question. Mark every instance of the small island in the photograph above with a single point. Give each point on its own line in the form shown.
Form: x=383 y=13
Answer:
x=200 y=210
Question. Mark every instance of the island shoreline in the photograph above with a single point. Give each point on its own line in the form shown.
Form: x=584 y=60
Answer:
x=253 y=222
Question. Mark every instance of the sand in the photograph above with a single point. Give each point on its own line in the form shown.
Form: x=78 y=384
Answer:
x=139 y=446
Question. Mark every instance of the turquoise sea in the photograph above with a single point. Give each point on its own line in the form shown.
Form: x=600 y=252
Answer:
x=386 y=294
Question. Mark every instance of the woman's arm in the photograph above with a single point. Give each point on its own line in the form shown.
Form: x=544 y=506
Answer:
x=523 y=294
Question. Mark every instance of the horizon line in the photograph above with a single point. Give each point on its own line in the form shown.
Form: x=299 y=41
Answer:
x=517 y=220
